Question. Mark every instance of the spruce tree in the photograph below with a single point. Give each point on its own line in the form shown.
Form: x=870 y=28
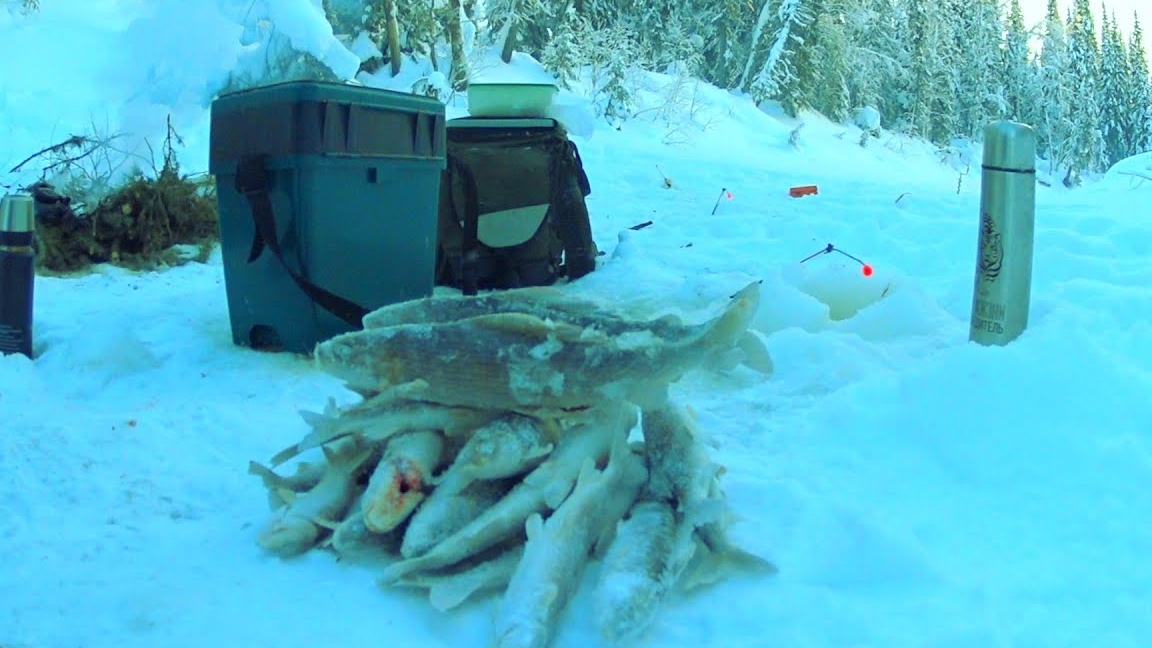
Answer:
x=1085 y=144
x=979 y=59
x=776 y=71
x=931 y=80
x=566 y=53
x=1139 y=102
x=1018 y=72
x=821 y=64
x=1115 y=80
x=878 y=58
x=727 y=46
x=1052 y=123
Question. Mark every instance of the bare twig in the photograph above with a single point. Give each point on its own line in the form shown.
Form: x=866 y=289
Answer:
x=1136 y=174
x=71 y=142
x=794 y=137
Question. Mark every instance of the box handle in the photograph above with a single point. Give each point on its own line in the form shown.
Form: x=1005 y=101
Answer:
x=335 y=118
x=422 y=136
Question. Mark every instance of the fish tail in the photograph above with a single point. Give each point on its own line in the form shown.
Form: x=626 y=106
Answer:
x=398 y=570
x=711 y=567
x=728 y=328
x=755 y=353
x=450 y=594
x=267 y=475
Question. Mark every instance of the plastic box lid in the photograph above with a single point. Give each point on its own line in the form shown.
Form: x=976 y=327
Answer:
x=287 y=92
x=324 y=118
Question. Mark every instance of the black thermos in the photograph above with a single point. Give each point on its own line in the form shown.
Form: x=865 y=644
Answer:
x=17 y=273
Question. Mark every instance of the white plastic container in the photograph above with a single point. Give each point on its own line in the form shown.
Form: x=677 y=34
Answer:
x=510 y=99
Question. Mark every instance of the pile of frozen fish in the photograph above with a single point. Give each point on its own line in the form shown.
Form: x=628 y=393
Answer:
x=493 y=450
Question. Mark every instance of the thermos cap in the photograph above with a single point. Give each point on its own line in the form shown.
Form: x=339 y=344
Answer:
x=17 y=214
x=1010 y=146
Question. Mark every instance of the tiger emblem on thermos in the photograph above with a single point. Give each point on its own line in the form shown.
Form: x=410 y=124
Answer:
x=991 y=249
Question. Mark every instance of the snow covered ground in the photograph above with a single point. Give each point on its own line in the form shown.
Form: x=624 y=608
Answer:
x=915 y=490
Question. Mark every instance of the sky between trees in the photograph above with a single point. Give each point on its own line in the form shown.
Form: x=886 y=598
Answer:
x=1124 y=9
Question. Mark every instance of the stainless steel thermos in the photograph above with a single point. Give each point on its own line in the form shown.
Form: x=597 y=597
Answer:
x=17 y=273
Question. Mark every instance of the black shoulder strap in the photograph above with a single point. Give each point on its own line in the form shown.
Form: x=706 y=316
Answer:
x=470 y=244
x=570 y=211
x=252 y=182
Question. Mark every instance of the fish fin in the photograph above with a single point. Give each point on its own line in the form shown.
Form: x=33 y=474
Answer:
x=275 y=502
x=732 y=323
x=398 y=571
x=324 y=523
x=385 y=395
x=402 y=390
x=725 y=360
x=587 y=473
x=286 y=495
x=604 y=540
x=331 y=408
x=313 y=419
x=266 y=474
x=709 y=511
x=319 y=438
x=285 y=454
x=534 y=526
x=755 y=353
x=652 y=394
x=529 y=325
x=542 y=451
x=450 y=593
x=556 y=492
x=709 y=567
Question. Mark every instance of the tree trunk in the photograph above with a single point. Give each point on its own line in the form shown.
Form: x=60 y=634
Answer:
x=392 y=29
x=509 y=42
x=456 y=36
x=757 y=33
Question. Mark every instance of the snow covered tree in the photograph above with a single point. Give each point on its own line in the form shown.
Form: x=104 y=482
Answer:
x=1138 y=130
x=821 y=64
x=1115 y=79
x=878 y=58
x=1085 y=142
x=517 y=24
x=727 y=44
x=566 y=52
x=668 y=32
x=1052 y=124
x=383 y=25
x=979 y=59
x=1018 y=72
x=599 y=14
x=454 y=30
x=932 y=97
x=623 y=52
x=774 y=53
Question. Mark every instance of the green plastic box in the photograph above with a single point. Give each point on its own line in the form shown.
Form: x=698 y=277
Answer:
x=352 y=177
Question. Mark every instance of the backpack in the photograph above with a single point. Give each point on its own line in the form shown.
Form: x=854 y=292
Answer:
x=512 y=210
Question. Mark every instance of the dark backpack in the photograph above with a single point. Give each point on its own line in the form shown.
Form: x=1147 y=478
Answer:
x=512 y=209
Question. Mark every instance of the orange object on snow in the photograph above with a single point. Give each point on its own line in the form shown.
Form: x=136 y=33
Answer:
x=805 y=190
